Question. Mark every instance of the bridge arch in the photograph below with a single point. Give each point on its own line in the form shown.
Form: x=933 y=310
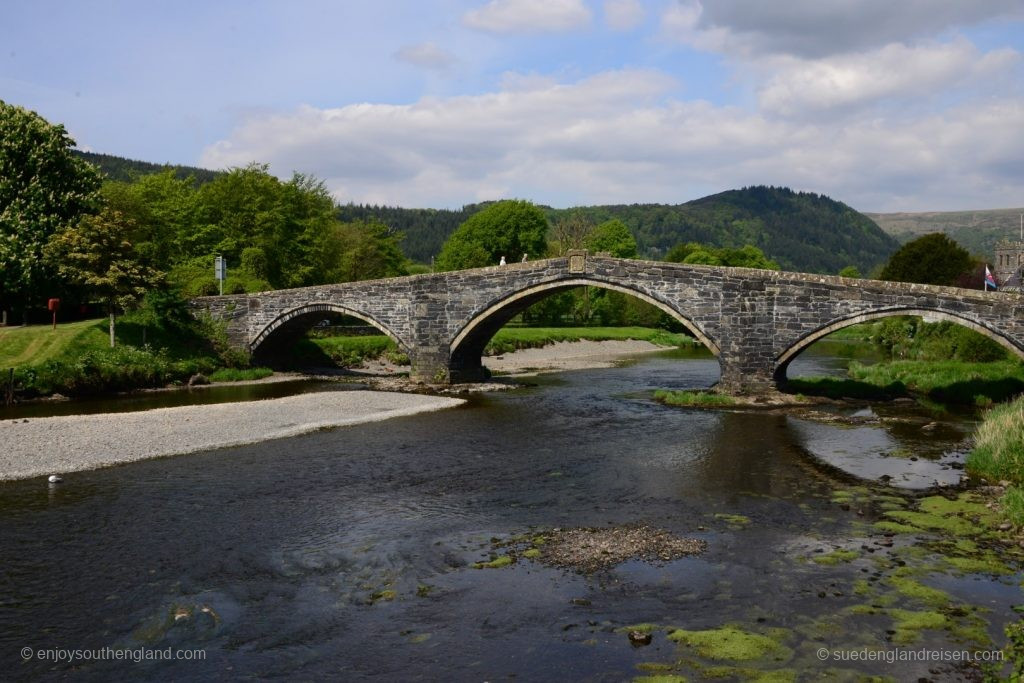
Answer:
x=793 y=350
x=312 y=311
x=466 y=348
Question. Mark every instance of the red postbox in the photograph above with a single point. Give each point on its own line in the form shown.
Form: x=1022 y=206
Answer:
x=53 y=305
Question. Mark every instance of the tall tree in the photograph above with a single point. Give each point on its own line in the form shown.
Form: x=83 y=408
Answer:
x=97 y=254
x=508 y=228
x=44 y=188
x=929 y=260
x=613 y=237
x=570 y=232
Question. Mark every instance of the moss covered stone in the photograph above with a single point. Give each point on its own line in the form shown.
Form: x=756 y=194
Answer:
x=731 y=643
x=836 y=557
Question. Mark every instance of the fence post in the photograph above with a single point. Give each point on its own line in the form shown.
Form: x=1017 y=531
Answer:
x=10 y=387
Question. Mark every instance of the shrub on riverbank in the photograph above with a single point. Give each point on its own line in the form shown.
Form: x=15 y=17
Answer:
x=102 y=370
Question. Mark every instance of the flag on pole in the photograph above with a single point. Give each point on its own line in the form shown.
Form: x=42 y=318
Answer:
x=990 y=281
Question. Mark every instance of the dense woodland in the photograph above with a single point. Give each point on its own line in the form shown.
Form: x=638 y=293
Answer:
x=127 y=170
x=801 y=231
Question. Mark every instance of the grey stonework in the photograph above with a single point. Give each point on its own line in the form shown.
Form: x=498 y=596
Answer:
x=755 y=321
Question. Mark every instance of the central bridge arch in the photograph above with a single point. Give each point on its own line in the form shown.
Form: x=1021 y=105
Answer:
x=466 y=349
x=793 y=350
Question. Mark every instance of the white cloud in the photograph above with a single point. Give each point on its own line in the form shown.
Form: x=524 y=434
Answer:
x=812 y=28
x=895 y=72
x=426 y=55
x=623 y=15
x=615 y=137
x=528 y=16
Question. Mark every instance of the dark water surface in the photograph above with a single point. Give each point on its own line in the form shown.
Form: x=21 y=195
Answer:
x=269 y=554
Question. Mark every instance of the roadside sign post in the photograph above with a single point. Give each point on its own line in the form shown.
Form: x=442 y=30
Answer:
x=53 y=305
x=220 y=271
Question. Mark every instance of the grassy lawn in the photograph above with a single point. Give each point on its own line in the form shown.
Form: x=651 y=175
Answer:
x=39 y=343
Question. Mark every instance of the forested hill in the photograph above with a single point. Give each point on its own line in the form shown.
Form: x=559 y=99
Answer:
x=802 y=231
x=126 y=170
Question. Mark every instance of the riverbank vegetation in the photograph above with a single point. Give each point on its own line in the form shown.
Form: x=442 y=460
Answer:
x=697 y=399
x=998 y=455
x=943 y=362
x=158 y=344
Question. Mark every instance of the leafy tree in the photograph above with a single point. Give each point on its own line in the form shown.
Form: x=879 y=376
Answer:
x=850 y=271
x=360 y=251
x=929 y=260
x=613 y=237
x=97 y=254
x=507 y=228
x=164 y=209
x=44 y=188
x=747 y=256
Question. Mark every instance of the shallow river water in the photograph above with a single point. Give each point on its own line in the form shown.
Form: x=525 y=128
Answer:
x=347 y=554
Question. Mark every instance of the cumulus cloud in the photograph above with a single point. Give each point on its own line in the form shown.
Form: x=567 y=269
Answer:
x=812 y=28
x=528 y=16
x=620 y=137
x=426 y=55
x=623 y=15
x=892 y=73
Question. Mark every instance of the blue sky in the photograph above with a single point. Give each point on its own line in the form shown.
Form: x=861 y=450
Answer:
x=892 y=106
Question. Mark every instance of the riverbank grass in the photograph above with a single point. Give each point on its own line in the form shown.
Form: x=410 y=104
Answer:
x=511 y=339
x=32 y=344
x=697 y=399
x=958 y=382
x=998 y=455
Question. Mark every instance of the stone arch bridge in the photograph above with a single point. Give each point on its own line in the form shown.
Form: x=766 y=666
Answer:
x=754 y=321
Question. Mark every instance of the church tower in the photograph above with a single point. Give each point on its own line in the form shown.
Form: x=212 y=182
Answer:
x=1009 y=258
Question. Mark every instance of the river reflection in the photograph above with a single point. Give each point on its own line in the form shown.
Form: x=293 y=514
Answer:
x=345 y=554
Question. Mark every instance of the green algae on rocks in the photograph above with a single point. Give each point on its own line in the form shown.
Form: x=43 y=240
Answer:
x=734 y=644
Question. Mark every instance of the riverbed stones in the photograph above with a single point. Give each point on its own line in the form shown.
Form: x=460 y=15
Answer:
x=588 y=549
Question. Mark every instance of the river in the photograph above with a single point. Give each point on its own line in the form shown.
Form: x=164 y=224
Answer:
x=347 y=554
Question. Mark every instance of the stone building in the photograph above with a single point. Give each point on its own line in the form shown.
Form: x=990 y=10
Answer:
x=1009 y=260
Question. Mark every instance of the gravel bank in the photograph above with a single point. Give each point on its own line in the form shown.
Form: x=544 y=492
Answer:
x=41 y=446
x=575 y=355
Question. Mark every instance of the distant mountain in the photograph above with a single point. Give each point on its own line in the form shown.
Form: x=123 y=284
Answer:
x=126 y=170
x=802 y=231
x=976 y=231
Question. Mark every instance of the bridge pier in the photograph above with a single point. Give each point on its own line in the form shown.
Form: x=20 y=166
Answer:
x=431 y=365
x=745 y=376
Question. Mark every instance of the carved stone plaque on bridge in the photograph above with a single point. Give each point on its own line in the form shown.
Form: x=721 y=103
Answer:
x=577 y=260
